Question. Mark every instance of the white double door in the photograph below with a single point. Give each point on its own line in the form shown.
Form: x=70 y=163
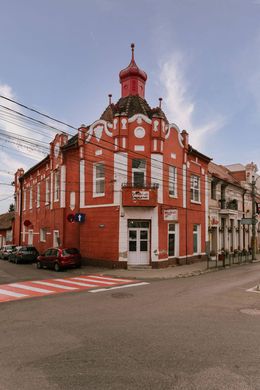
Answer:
x=138 y=245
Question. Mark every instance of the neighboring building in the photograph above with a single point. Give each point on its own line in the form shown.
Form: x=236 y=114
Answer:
x=139 y=190
x=6 y=228
x=245 y=174
x=226 y=209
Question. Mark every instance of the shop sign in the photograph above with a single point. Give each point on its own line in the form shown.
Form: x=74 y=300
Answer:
x=170 y=215
x=214 y=221
x=140 y=195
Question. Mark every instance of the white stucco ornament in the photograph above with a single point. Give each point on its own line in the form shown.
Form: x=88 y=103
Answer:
x=56 y=150
x=139 y=132
x=98 y=130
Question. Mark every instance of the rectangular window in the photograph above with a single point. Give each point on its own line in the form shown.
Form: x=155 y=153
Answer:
x=38 y=198
x=195 y=188
x=30 y=237
x=56 y=186
x=99 y=180
x=24 y=200
x=171 y=240
x=56 y=238
x=30 y=198
x=43 y=232
x=196 y=239
x=139 y=172
x=173 y=182
x=47 y=191
x=213 y=189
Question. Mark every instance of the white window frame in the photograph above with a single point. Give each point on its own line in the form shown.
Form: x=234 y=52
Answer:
x=56 y=235
x=43 y=233
x=98 y=180
x=173 y=182
x=30 y=198
x=56 y=186
x=196 y=233
x=194 y=189
x=47 y=191
x=38 y=196
x=142 y=170
x=24 y=200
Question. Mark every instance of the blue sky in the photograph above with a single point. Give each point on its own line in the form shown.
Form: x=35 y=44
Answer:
x=202 y=56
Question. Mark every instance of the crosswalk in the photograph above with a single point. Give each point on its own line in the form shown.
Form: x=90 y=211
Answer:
x=37 y=288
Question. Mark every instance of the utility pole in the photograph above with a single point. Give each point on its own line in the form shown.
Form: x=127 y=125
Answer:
x=253 y=219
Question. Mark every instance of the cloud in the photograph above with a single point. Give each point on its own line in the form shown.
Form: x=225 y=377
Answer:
x=21 y=127
x=181 y=106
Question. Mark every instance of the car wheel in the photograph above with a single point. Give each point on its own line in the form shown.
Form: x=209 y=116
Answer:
x=39 y=265
x=57 y=267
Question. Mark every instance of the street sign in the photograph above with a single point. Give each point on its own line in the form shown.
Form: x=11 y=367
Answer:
x=80 y=217
x=247 y=221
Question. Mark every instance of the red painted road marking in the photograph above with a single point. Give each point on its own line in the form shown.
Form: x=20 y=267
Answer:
x=36 y=288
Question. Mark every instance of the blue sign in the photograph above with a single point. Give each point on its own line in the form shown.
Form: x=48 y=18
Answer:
x=80 y=217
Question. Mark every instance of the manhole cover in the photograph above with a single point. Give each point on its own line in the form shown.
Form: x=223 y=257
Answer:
x=121 y=295
x=251 y=312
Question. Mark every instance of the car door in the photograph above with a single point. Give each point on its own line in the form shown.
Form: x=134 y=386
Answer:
x=53 y=257
x=46 y=258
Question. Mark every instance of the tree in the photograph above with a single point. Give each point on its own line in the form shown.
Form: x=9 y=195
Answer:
x=11 y=207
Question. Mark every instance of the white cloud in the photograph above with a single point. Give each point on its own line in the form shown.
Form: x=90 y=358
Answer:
x=15 y=123
x=180 y=105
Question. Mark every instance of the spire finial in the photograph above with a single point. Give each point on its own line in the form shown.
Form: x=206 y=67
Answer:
x=160 y=102
x=110 y=96
x=133 y=50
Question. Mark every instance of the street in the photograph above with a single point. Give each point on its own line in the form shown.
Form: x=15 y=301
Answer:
x=191 y=333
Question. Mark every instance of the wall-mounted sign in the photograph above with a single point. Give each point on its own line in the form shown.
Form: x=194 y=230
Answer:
x=214 y=221
x=170 y=215
x=140 y=195
x=79 y=217
x=27 y=222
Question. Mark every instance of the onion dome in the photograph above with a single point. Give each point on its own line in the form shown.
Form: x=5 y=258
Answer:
x=132 y=78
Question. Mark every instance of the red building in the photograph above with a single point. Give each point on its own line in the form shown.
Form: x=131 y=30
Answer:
x=138 y=189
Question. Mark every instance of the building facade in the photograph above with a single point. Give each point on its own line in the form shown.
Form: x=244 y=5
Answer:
x=127 y=190
x=6 y=228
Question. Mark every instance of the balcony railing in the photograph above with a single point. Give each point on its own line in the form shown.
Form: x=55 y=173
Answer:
x=139 y=195
x=152 y=186
x=228 y=204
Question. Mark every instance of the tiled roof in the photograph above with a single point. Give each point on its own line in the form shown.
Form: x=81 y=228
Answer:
x=223 y=173
x=131 y=105
x=6 y=220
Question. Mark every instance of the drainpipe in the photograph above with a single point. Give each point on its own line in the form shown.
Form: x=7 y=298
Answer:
x=21 y=211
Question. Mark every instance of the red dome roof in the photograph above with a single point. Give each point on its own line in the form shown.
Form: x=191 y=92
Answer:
x=132 y=70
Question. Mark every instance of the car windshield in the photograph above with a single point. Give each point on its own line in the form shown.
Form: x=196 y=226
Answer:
x=70 y=251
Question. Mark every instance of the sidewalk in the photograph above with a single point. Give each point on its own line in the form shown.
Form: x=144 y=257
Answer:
x=183 y=271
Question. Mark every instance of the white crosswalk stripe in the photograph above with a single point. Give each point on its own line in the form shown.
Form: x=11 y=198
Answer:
x=55 y=285
x=94 y=281
x=108 y=278
x=12 y=293
x=30 y=288
x=76 y=283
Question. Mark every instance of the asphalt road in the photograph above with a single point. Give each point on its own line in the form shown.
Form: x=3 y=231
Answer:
x=198 y=333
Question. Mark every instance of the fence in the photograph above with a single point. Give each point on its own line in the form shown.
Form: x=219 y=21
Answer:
x=225 y=259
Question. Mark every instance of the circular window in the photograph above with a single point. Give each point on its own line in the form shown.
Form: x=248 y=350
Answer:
x=139 y=132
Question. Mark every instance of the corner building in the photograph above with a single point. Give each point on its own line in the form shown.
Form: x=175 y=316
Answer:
x=142 y=187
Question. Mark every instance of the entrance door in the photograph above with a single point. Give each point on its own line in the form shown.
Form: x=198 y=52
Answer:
x=138 y=242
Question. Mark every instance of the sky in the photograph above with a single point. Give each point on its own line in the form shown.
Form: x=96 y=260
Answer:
x=63 y=57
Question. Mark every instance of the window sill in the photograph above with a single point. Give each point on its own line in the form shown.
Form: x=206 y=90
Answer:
x=195 y=202
x=173 y=196
x=98 y=195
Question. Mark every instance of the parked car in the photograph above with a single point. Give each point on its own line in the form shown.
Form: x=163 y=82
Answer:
x=24 y=254
x=6 y=250
x=59 y=258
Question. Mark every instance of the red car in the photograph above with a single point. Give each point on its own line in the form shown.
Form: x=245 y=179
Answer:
x=59 y=258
